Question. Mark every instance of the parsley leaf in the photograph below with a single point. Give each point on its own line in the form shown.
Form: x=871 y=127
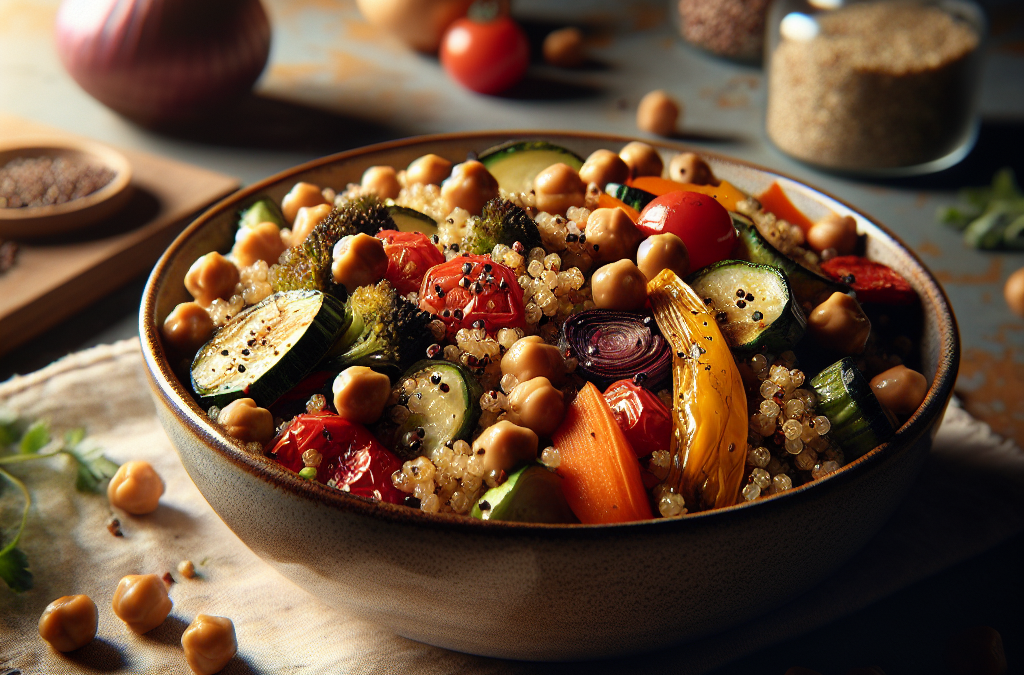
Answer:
x=93 y=467
x=35 y=439
x=14 y=569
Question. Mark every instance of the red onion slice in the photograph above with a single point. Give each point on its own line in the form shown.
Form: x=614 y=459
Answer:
x=610 y=346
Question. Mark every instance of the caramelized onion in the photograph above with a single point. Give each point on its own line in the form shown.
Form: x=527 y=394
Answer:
x=611 y=345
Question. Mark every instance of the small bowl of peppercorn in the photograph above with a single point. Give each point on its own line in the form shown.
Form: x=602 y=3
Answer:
x=49 y=188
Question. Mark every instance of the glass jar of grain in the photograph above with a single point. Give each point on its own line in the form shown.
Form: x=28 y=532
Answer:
x=874 y=87
x=733 y=29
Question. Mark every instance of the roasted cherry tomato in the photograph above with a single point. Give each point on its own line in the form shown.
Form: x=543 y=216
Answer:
x=353 y=460
x=410 y=255
x=874 y=282
x=646 y=421
x=487 y=56
x=701 y=222
x=471 y=289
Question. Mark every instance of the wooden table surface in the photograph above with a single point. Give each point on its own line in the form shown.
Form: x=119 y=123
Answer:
x=334 y=83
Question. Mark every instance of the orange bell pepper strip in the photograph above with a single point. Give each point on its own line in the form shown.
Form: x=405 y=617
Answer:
x=600 y=472
x=606 y=201
x=709 y=436
x=774 y=200
x=726 y=194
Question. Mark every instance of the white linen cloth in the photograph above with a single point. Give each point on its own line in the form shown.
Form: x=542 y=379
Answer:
x=282 y=629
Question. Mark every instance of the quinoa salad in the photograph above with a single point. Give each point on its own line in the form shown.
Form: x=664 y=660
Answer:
x=530 y=335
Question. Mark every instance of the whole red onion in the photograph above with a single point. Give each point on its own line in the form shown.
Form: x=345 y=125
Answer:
x=159 y=61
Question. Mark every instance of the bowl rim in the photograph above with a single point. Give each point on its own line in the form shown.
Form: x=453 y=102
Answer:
x=42 y=221
x=172 y=392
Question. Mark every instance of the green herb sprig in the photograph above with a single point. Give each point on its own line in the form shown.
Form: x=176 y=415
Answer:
x=991 y=217
x=22 y=441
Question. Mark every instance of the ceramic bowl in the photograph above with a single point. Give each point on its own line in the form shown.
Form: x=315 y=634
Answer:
x=35 y=222
x=528 y=591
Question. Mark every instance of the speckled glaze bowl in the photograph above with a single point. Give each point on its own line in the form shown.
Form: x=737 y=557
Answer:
x=527 y=591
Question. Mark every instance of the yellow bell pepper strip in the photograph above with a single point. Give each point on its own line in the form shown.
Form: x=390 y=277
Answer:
x=774 y=200
x=600 y=472
x=606 y=201
x=709 y=438
x=726 y=194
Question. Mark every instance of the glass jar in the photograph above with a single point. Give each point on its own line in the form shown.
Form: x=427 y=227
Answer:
x=733 y=29
x=875 y=87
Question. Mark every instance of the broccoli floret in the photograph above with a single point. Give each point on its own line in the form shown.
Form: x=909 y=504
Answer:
x=308 y=265
x=502 y=222
x=387 y=332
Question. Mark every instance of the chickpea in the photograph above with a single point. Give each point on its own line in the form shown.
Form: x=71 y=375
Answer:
x=428 y=170
x=834 y=231
x=302 y=195
x=564 y=48
x=900 y=389
x=69 y=623
x=260 y=242
x=360 y=394
x=611 y=235
x=469 y=187
x=187 y=569
x=246 y=421
x=658 y=114
x=209 y=643
x=840 y=324
x=620 y=286
x=557 y=188
x=141 y=602
x=688 y=167
x=1013 y=292
x=531 y=357
x=663 y=252
x=642 y=159
x=503 y=445
x=382 y=180
x=603 y=167
x=136 y=488
x=536 y=405
x=187 y=328
x=212 y=276
x=308 y=218
x=359 y=260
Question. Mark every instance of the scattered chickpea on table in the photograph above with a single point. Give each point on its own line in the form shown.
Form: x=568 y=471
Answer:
x=136 y=487
x=69 y=623
x=141 y=601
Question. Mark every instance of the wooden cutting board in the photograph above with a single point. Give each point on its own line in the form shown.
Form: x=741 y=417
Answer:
x=56 y=278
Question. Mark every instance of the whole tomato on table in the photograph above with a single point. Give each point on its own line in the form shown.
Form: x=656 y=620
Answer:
x=473 y=288
x=410 y=255
x=485 y=51
x=698 y=219
x=353 y=460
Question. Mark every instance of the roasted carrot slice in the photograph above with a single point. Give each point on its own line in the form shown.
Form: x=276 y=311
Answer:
x=774 y=200
x=606 y=201
x=709 y=440
x=600 y=472
x=725 y=193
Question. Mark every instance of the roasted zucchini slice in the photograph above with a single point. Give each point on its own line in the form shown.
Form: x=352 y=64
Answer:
x=632 y=196
x=809 y=288
x=530 y=495
x=515 y=164
x=444 y=404
x=411 y=220
x=753 y=305
x=268 y=348
x=261 y=211
x=858 y=421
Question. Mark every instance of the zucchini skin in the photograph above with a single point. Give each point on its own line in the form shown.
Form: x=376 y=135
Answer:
x=808 y=287
x=262 y=210
x=632 y=196
x=512 y=177
x=291 y=367
x=785 y=331
x=858 y=421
